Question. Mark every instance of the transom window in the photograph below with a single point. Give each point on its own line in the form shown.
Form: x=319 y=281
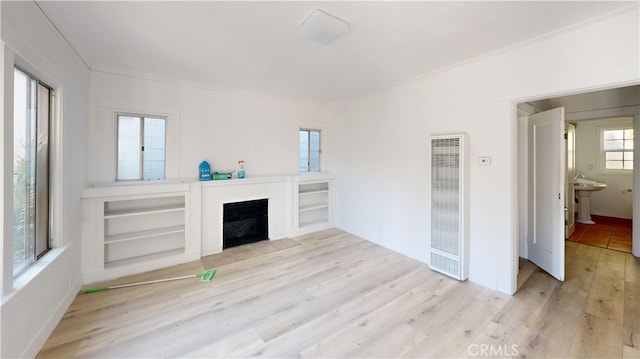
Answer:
x=309 y=159
x=141 y=147
x=617 y=149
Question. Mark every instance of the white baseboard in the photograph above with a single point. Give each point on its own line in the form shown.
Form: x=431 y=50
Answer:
x=47 y=328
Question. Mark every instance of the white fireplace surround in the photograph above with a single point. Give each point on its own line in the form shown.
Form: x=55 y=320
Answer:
x=217 y=193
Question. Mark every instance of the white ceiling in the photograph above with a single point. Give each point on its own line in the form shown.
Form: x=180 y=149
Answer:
x=255 y=47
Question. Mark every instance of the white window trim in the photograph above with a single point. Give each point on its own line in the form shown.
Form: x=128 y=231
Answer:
x=601 y=151
x=8 y=283
x=321 y=159
x=104 y=138
x=117 y=132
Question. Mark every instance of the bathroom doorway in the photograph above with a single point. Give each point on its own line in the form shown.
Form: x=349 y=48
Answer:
x=591 y=111
x=605 y=211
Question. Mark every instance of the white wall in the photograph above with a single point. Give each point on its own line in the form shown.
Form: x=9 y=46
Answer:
x=33 y=304
x=613 y=201
x=217 y=126
x=384 y=176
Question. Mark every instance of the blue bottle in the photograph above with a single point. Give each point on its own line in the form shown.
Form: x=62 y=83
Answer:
x=205 y=171
x=241 y=170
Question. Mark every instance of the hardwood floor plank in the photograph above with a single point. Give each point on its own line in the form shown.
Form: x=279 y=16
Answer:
x=597 y=338
x=229 y=347
x=397 y=319
x=305 y=312
x=579 y=275
x=630 y=353
x=327 y=323
x=606 y=297
x=632 y=269
x=631 y=324
x=92 y=313
x=552 y=334
x=512 y=324
x=332 y=294
x=461 y=328
x=612 y=263
x=357 y=338
x=586 y=251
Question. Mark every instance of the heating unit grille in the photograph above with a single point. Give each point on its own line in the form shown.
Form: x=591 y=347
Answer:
x=448 y=205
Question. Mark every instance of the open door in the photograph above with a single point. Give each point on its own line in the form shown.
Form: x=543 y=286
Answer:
x=545 y=239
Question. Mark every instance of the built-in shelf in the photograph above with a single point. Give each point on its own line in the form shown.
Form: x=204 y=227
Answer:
x=129 y=229
x=314 y=223
x=135 y=229
x=131 y=236
x=313 y=203
x=313 y=206
x=307 y=191
x=135 y=212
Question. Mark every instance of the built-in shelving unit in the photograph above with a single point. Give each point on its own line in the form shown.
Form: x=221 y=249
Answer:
x=136 y=228
x=314 y=203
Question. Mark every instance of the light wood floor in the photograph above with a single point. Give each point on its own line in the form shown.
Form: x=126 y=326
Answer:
x=331 y=294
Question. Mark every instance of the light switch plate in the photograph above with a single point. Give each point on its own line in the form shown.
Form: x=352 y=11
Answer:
x=484 y=161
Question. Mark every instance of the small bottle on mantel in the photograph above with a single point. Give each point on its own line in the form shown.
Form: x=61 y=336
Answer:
x=204 y=171
x=241 y=170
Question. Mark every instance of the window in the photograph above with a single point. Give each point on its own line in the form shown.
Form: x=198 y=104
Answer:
x=141 y=147
x=309 y=150
x=617 y=149
x=31 y=121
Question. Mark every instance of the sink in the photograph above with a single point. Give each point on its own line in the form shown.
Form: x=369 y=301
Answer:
x=583 y=184
x=584 y=187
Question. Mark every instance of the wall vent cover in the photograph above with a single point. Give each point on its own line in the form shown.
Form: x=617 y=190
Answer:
x=449 y=205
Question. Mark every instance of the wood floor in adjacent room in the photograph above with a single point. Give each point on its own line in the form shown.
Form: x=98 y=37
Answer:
x=332 y=294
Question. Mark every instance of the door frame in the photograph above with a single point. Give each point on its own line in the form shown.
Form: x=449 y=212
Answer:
x=520 y=205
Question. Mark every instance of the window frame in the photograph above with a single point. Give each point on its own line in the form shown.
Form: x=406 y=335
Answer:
x=309 y=130
x=142 y=118
x=603 y=152
x=41 y=243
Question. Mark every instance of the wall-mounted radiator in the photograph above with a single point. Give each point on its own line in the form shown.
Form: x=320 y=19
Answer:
x=449 y=205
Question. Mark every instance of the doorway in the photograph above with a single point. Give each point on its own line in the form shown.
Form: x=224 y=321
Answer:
x=605 y=212
x=599 y=105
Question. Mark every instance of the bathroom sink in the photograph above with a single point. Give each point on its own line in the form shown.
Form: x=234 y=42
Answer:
x=583 y=184
x=584 y=187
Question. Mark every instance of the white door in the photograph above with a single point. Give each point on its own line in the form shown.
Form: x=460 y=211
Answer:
x=545 y=240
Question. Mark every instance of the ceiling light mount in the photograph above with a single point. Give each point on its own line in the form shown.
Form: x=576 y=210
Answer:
x=322 y=27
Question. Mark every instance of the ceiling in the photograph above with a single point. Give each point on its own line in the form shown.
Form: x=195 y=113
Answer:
x=254 y=47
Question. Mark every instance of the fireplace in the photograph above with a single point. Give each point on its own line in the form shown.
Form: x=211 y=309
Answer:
x=245 y=222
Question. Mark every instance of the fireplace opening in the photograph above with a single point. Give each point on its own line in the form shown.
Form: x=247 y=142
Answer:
x=245 y=222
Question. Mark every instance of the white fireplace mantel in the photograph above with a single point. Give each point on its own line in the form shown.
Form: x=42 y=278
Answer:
x=216 y=193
